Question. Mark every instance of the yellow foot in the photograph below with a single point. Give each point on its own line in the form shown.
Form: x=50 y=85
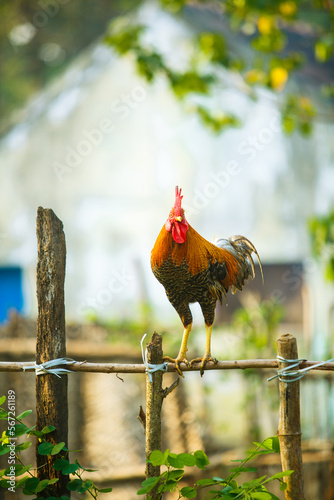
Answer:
x=203 y=362
x=177 y=362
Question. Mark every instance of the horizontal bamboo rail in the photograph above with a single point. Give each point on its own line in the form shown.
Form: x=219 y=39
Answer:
x=83 y=366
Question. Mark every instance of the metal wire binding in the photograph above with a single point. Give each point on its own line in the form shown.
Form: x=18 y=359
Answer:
x=47 y=367
x=151 y=368
x=295 y=374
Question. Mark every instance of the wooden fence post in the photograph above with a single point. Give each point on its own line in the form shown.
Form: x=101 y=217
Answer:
x=289 y=429
x=154 y=398
x=51 y=391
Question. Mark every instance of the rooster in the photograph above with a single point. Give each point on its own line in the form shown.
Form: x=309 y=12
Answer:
x=192 y=269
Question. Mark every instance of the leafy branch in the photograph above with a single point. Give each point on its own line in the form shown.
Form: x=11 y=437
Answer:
x=321 y=230
x=229 y=489
x=271 y=60
x=29 y=483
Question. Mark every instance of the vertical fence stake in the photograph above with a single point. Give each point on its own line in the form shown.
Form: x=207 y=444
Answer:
x=154 y=398
x=51 y=391
x=289 y=429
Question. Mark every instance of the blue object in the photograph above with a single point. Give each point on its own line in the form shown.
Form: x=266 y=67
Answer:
x=11 y=293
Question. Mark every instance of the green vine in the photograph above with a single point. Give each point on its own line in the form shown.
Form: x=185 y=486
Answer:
x=227 y=489
x=169 y=480
x=29 y=483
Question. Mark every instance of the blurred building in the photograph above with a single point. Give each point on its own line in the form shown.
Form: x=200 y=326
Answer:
x=104 y=150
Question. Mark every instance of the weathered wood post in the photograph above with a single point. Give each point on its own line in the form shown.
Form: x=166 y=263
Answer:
x=289 y=429
x=51 y=391
x=154 y=399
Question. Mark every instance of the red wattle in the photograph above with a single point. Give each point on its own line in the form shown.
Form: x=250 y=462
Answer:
x=179 y=232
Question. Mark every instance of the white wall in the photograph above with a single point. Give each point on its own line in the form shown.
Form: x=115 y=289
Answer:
x=104 y=150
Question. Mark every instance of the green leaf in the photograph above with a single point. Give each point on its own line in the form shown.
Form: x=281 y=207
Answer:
x=2 y=400
x=24 y=414
x=23 y=446
x=206 y=482
x=227 y=489
x=148 y=485
x=21 y=482
x=74 y=485
x=87 y=485
x=283 y=486
x=60 y=464
x=157 y=458
x=105 y=490
x=45 y=448
x=4 y=449
x=275 y=444
x=271 y=443
x=54 y=480
x=201 y=459
x=3 y=414
x=18 y=468
x=279 y=475
x=70 y=468
x=47 y=429
x=253 y=483
x=260 y=495
x=175 y=475
x=57 y=448
x=186 y=459
x=19 y=430
x=42 y=485
x=169 y=485
x=174 y=461
x=188 y=492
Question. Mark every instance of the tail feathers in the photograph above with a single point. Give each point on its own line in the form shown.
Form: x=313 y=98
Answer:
x=241 y=249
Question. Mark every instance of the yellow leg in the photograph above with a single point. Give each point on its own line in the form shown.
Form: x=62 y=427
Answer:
x=207 y=356
x=181 y=357
x=208 y=341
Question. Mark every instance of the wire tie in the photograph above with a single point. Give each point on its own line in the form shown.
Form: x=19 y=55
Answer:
x=46 y=367
x=151 y=368
x=295 y=374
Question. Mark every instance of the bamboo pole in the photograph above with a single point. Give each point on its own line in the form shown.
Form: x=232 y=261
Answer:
x=51 y=391
x=83 y=366
x=289 y=429
x=154 y=398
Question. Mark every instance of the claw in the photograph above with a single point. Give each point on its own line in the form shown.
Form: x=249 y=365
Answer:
x=177 y=362
x=204 y=360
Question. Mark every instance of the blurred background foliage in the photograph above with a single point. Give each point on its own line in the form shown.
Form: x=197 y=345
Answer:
x=39 y=38
x=321 y=229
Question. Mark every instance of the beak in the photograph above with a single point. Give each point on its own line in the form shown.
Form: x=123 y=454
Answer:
x=179 y=218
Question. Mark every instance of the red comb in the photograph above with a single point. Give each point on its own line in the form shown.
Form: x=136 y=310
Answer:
x=178 y=198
